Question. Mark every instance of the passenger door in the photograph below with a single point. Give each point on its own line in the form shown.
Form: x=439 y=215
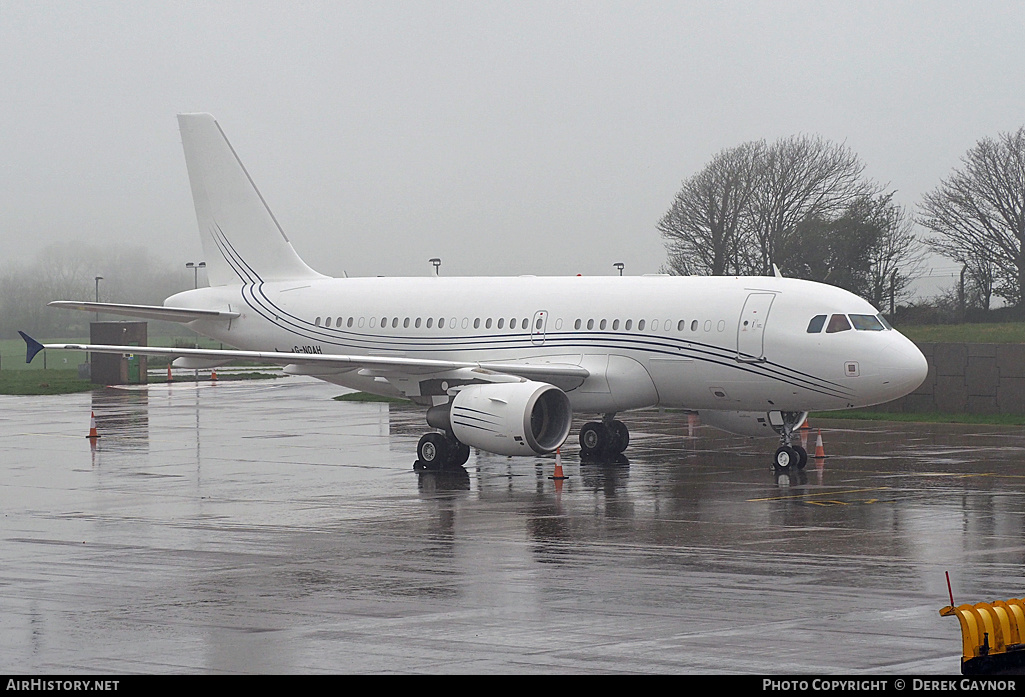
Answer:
x=751 y=331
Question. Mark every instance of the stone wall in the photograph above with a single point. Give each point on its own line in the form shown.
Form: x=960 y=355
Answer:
x=969 y=378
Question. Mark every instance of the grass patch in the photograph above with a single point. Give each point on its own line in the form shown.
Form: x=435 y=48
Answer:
x=367 y=397
x=1002 y=333
x=924 y=417
x=41 y=382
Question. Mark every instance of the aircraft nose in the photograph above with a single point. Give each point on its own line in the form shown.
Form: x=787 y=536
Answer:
x=909 y=366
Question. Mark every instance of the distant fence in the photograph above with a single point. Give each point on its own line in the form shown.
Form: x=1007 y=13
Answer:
x=969 y=379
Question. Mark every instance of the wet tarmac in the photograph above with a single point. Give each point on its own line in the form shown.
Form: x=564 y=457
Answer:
x=260 y=527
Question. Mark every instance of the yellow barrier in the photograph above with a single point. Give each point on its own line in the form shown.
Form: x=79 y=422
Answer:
x=992 y=634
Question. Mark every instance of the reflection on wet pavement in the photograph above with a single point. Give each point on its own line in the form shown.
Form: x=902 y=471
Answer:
x=243 y=527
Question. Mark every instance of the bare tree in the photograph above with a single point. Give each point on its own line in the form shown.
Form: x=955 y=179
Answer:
x=704 y=229
x=743 y=212
x=801 y=178
x=897 y=256
x=978 y=214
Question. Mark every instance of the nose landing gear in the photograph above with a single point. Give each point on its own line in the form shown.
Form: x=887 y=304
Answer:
x=788 y=455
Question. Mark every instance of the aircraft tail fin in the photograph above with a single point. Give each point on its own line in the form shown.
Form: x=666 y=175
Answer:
x=242 y=240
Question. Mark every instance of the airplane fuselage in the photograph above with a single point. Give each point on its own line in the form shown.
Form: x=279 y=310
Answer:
x=712 y=343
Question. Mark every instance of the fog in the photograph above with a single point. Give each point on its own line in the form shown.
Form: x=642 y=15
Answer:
x=505 y=138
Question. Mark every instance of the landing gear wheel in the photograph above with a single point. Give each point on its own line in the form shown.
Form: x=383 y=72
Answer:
x=459 y=455
x=433 y=450
x=620 y=437
x=802 y=457
x=785 y=457
x=593 y=439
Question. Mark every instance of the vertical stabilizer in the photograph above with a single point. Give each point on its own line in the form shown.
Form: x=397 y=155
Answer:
x=242 y=240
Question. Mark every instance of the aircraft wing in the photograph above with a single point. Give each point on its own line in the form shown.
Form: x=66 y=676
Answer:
x=325 y=364
x=154 y=312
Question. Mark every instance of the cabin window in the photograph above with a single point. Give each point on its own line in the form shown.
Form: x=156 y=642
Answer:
x=501 y=322
x=476 y=323
x=487 y=323
x=640 y=325
x=694 y=325
x=430 y=321
x=317 y=321
x=615 y=324
x=512 y=324
x=416 y=323
x=537 y=324
x=361 y=321
x=576 y=325
x=837 y=323
x=590 y=324
x=867 y=323
x=708 y=325
x=603 y=324
x=816 y=324
x=681 y=325
x=405 y=323
x=441 y=323
x=629 y=324
x=654 y=325
x=722 y=325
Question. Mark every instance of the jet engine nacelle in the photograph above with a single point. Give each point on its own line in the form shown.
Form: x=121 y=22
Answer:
x=510 y=418
x=749 y=423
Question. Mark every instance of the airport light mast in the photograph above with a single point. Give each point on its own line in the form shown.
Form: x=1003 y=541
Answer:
x=195 y=272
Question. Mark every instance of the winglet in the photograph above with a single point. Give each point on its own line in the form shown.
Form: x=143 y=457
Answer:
x=32 y=347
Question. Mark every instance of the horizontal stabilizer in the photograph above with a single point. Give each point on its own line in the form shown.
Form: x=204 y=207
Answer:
x=154 y=312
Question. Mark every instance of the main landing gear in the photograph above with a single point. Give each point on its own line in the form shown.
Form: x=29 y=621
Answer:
x=437 y=451
x=789 y=455
x=605 y=438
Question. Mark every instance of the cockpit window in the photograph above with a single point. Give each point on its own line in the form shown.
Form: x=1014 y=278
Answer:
x=837 y=323
x=885 y=323
x=867 y=323
x=815 y=326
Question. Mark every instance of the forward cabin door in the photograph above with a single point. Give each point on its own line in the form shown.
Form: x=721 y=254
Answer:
x=751 y=331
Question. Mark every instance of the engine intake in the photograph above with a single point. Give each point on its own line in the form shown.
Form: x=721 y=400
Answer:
x=512 y=418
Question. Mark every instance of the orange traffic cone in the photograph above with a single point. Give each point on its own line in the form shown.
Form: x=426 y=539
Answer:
x=558 y=476
x=92 y=426
x=169 y=378
x=213 y=375
x=820 y=453
x=805 y=426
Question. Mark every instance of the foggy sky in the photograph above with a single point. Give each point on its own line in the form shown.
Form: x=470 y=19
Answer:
x=504 y=137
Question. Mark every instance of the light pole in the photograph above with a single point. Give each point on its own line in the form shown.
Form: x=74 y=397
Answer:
x=98 y=279
x=437 y=265
x=619 y=265
x=195 y=272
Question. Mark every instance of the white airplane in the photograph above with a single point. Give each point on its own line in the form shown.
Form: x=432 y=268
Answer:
x=502 y=364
